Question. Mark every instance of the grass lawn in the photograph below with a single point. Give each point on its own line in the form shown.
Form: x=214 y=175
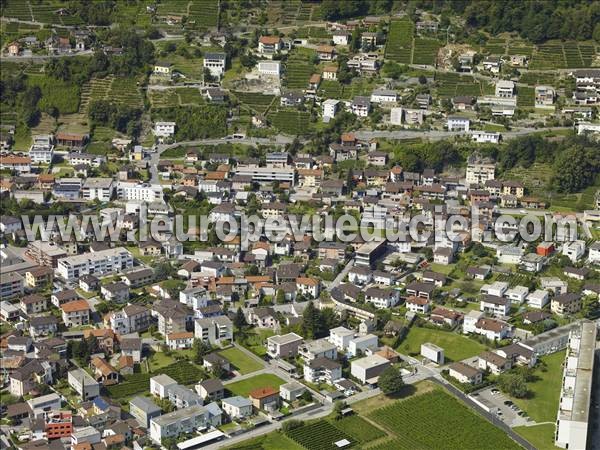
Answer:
x=442 y=268
x=541 y=436
x=248 y=385
x=543 y=404
x=272 y=441
x=242 y=362
x=160 y=360
x=456 y=346
x=255 y=341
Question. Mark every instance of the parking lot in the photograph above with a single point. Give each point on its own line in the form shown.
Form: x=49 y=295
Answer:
x=499 y=405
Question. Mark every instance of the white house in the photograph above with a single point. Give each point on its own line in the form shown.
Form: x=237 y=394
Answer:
x=505 y=89
x=173 y=424
x=340 y=337
x=509 y=254
x=594 y=253
x=574 y=250
x=237 y=407
x=360 y=106
x=517 y=294
x=497 y=306
x=497 y=288
x=456 y=123
x=368 y=369
x=160 y=384
x=485 y=137
x=164 y=129
x=330 y=109
x=340 y=38
x=538 y=298
x=215 y=63
x=360 y=344
x=270 y=68
x=384 y=96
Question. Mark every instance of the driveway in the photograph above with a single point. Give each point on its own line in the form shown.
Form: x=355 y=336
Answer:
x=494 y=399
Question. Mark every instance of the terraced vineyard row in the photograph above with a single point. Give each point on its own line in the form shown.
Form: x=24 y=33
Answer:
x=400 y=41
x=318 y=436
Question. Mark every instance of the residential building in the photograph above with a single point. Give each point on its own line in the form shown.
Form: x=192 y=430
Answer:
x=360 y=344
x=574 y=250
x=538 y=298
x=160 y=385
x=544 y=96
x=185 y=420
x=101 y=262
x=75 y=313
x=86 y=387
x=215 y=63
x=464 y=373
x=316 y=349
x=283 y=346
x=237 y=407
x=493 y=362
x=456 y=123
x=214 y=330
x=368 y=369
x=98 y=189
x=322 y=370
x=360 y=106
x=566 y=304
x=505 y=89
x=143 y=409
x=572 y=421
x=266 y=398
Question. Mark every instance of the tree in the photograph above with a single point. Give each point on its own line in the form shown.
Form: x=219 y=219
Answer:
x=280 y=299
x=199 y=349
x=514 y=384
x=291 y=424
x=239 y=321
x=217 y=370
x=338 y=407
x=390 y=380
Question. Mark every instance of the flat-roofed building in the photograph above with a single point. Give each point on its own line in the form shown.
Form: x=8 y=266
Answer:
x=283 y=346
x=98 y=263
x=575 y=397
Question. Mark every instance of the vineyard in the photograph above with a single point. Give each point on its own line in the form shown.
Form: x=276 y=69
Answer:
x=400 y=41
x=59 y=94
x=255 y=101
x=453 y=84
x=359 y=429
x=526 y=97
x=168 y=98
x=533 y=78
x=425 y=51
x=299 y=68
x=204 y=13
x=290 y=122
x=126 y=92
x=456 y=426
x=318 y=436
x=559 y=55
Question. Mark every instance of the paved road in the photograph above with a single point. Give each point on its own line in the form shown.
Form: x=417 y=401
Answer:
x=340 y=277
x=442 y=134
x=44 y=57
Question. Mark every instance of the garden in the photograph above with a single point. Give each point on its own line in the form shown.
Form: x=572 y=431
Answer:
x=244 y=387
x=241 y=362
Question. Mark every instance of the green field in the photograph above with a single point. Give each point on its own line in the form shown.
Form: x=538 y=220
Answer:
x=56 y=93
x=204 y=13
x=290 y=121
x=255 y=101
x=299 y=69
x=453 y=84
x=425 y=51
x=400 y=41
x=545 y=391
x=272 y=441
x=525 y=97
x=242 y=362
x=244 y=387
x=439 y=421
x=359 y=429
x=541 y=436
x=457 y=347
x=320 y=435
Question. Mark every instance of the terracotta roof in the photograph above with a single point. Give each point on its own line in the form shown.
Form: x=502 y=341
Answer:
x=180 y=335
x=76 y=305
x=264 y=392
x=270 y=40
x=307 y=281
x=15 y=160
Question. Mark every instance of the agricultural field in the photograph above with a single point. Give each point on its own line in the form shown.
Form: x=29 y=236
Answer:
x=17 y=9
x=126 y=92
x=456 y=426
x=457 y=347
x=244 y=387
x=535 y=78
x=359 y=429
x=255 y=100
x=299 y=69
x=453 y=84
x=558 y=55
x=164 y=98
x=495 y=46
x=275 y=440
x=525 y=97
x=400 y=41
x=189 y=96
x=204 y=13
x=313 y=32
x=514 y=279
x=425 y=51
x=290 y=122
x=95 y=89
x=240 y=361
x=320 y=435
x=176 y=7
x=331 y=89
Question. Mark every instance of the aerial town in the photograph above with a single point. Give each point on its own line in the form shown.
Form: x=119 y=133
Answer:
x=299 y=224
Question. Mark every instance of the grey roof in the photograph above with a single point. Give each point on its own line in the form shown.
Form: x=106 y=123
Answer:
x=237 y=401
x=145 y=404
